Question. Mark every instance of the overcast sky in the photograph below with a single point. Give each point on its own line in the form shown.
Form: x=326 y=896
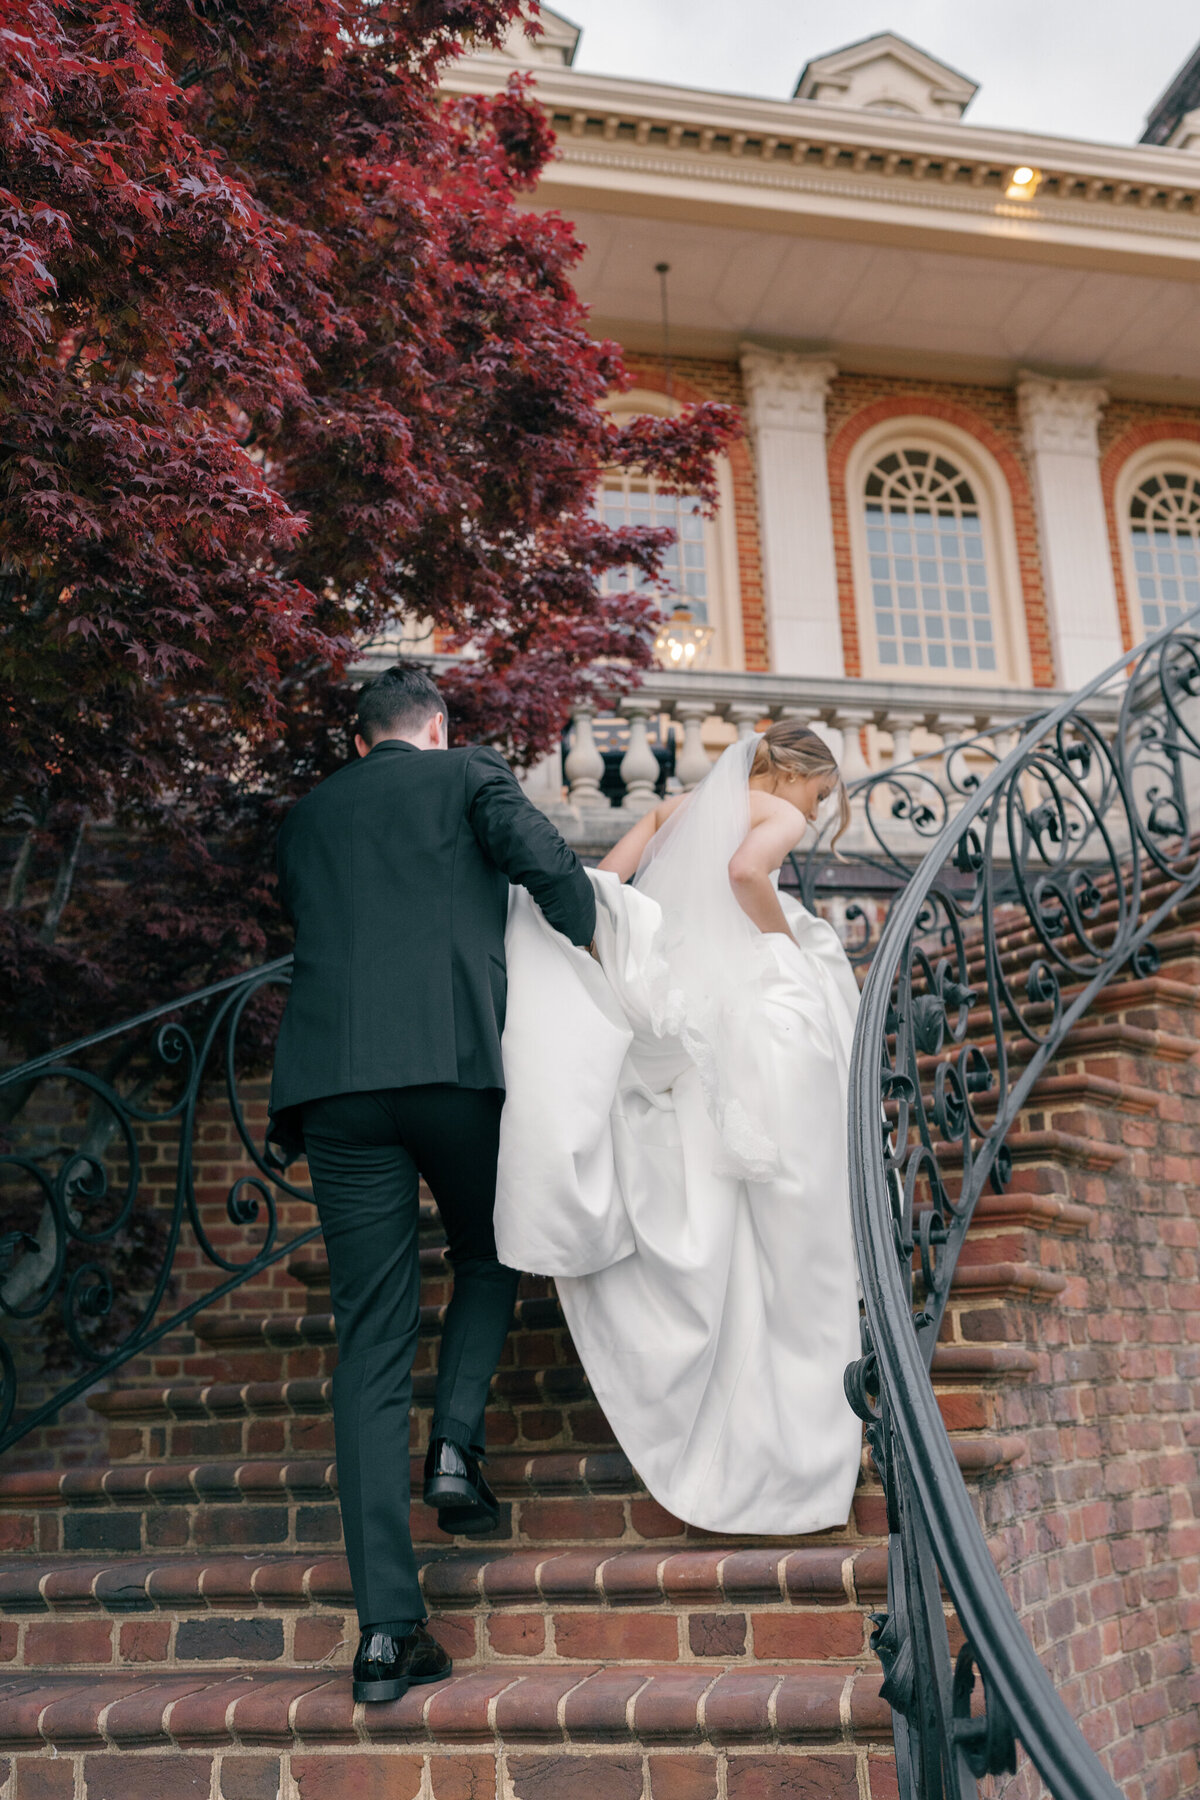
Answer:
x=1076 y=68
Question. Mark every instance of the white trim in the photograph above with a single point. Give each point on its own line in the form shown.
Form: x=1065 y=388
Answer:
x=999 y=536
x=785 y=409
x=1134 y=470
x=1060 y=423
x=1112 y=192
x=720 y=535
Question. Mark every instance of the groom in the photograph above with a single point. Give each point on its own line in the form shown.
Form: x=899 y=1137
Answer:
x=395 y=873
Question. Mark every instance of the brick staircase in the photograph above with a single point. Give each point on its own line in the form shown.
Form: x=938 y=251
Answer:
x=178 y=1622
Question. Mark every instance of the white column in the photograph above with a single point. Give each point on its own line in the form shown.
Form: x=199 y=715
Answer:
x=1060 y=420
x=785 y=402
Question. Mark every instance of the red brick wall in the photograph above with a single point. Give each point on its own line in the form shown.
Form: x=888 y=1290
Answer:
x=858 y=402
x=1126 y=426
x=1096 y=1528
x=694 y=379
x=77 y=1436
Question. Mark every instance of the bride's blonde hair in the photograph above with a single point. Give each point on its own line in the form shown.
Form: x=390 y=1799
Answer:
x=792 y=749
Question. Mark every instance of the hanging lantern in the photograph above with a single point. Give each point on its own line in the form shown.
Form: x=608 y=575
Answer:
x=681 y=642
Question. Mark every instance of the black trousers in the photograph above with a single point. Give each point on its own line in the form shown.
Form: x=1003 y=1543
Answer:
x=366 y=1153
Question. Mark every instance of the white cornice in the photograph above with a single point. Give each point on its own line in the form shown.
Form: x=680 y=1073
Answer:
x=856 y=157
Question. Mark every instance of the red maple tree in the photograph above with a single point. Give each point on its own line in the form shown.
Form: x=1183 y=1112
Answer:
x=283 y=359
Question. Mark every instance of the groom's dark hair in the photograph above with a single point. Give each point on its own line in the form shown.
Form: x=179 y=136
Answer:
x=402 y=699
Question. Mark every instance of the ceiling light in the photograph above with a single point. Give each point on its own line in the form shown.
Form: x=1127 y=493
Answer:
x=1023 y=183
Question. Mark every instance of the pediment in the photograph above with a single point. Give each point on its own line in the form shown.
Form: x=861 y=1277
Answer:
x=886 y=73
x=557 y=44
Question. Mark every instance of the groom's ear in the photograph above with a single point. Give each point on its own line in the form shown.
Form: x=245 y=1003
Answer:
x=361 y=744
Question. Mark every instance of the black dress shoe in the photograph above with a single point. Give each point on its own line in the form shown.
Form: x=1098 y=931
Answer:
x=388 y=1666
x=454 y=1483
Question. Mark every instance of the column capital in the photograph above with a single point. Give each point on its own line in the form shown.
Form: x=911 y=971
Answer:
x=785 y=390
x=1061 y=416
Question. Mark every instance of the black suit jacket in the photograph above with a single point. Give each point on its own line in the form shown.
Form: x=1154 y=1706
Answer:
x=395 y=873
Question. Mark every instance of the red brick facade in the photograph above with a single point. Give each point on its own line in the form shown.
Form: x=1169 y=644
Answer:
x=694 y=379
x=1125 y=427
x=856 y=403
x=989 y=415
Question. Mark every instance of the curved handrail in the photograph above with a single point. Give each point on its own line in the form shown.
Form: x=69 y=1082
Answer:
x=1082 y=818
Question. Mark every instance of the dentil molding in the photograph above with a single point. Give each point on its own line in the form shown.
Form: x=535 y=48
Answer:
x=1060 y=415
x=785 y=391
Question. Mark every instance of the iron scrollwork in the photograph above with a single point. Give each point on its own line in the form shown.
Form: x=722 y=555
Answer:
x=83 y=1198
x=1049 y=879
x=1048 y=867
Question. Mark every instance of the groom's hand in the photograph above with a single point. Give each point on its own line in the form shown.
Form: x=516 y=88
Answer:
x=592 y=951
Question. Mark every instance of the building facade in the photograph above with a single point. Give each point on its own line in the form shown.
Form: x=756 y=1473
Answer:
x=967 y=360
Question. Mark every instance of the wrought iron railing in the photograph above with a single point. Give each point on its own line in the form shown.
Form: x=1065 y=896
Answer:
x=1050 y=879
x=75 y=1185
x=75 y=1176
x=1053 y=837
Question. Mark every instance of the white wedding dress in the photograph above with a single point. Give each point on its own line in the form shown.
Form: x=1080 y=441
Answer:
x=673 y=1152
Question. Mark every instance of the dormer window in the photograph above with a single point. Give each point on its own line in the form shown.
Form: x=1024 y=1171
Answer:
x=886 y=73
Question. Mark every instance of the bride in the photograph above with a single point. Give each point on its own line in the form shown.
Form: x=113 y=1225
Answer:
x=673 y=1147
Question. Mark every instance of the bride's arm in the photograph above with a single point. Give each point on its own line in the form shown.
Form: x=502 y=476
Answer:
x=757 y=856
x=626 y=853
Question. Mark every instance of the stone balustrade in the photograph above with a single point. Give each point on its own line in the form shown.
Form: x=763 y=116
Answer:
x=861 y=719
x=870 y=725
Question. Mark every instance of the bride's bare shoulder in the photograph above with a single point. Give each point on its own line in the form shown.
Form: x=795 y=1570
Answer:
x=765 y=806
x=665 y=808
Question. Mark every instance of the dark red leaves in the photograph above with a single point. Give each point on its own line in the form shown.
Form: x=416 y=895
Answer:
x=285 y=357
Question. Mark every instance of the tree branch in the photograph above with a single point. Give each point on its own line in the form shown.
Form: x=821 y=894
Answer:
x=63 y=882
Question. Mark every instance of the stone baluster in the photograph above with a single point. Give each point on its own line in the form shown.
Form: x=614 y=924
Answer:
x=745 y=717
x=901 y=725
x=692 y=760
x=1005 y=736
x=639 y=765
x=584 y=765
x=850 y=720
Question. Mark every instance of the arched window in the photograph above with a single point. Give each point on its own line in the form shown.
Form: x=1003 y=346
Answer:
x=936 y=571
x=701 y=565
x=929 y=575
x=1164 y=535
x=635 y=500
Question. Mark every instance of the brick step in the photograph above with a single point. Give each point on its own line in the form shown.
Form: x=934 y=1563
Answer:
x=723 y=1573
x=546 y=1387
x=553 y=1605
x=576 y=1769
x=1015 y=929
x=648 y=1705
x=529 y=1409
x=1177 y=938
x=537 y=1409
x=284 y=1330
x=1148 y=994
x=277 y=1505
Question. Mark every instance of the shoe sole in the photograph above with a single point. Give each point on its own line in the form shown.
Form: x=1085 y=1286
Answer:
x=462 y=1511
x=374 y=1691
x=462 y=1523
x=453 y=1491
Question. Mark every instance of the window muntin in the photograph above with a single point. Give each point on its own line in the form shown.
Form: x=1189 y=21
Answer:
x=637 y=501
x=930 y=585
x=1164 y=529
